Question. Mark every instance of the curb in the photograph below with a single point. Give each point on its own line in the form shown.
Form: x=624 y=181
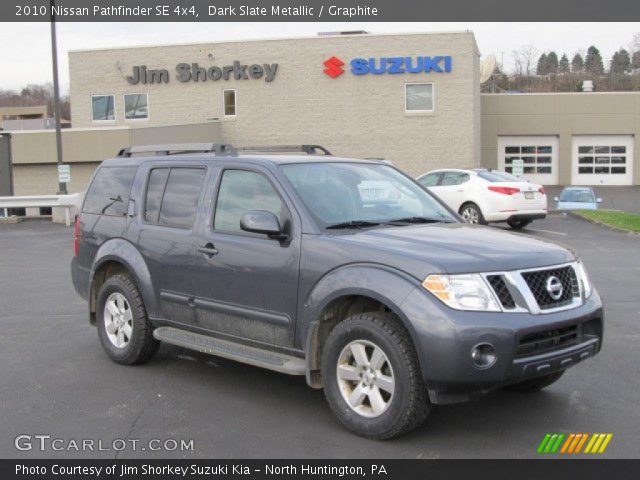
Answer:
x=596 y=222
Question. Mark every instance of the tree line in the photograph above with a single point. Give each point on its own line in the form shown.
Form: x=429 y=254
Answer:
x=622 y=62
x=33 y=95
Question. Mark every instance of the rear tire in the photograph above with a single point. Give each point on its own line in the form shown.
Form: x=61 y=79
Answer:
x=123 y=326
x=372 y=378
x=535 y=384
x=471 y=213
x=518 y=224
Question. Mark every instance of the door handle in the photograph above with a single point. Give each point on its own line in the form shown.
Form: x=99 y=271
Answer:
x=209 y=250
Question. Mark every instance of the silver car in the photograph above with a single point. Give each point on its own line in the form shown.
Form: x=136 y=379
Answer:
x=577 y=198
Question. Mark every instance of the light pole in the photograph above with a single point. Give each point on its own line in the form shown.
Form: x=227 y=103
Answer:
x=62 y=187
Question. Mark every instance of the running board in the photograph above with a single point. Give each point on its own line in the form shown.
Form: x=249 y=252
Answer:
x=233 y=351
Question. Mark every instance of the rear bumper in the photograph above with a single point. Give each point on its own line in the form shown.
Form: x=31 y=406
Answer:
x=517 y=215
x=445 y=337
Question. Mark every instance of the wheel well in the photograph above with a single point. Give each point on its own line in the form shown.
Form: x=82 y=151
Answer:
x=467 y=203
x=335 y=312
x=106 y=270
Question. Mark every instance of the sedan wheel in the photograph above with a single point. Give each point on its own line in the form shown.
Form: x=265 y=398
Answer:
x=471 y=214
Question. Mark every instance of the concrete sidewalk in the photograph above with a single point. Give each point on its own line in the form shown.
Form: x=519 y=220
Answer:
x=625 y=198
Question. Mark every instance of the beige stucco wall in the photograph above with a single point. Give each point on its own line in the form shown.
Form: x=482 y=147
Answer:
x=563 y=115
x=351 y=115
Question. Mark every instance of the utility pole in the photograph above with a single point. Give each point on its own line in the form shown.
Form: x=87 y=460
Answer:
x=62 y=187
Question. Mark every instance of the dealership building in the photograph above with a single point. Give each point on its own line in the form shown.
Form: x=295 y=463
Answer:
x=413 y=99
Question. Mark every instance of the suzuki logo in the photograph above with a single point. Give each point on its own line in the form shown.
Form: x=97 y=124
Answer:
x=554 y=287
x=334 y=67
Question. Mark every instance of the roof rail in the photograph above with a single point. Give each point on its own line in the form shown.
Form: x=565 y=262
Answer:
x=225 y=149
x=308 y=149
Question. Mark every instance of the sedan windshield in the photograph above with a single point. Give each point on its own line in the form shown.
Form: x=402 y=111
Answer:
x=358 y=195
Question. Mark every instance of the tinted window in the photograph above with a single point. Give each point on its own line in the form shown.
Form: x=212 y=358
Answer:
x=181 y=196
x=155 y=190
x=109 y=191
x=582 y=196
x=240 y=191
x=493 y=176
x=429 y=180
x=455 y=178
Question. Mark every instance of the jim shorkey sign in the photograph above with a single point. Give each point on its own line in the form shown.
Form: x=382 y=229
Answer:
x=192 y=72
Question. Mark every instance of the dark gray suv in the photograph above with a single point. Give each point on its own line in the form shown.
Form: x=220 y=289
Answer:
x=343 y=270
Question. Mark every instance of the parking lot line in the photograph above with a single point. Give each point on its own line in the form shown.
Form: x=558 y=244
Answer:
x=547 y=231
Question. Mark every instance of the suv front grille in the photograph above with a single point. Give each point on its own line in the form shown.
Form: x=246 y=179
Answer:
x=502 y=292
x=537 y=282
x=547 y=341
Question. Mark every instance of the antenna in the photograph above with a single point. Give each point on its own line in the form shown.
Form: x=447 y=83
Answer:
x=487 y=67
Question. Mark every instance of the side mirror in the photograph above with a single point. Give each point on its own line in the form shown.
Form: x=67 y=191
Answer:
x=598 y=200
x=555 y=199
x=261 y=221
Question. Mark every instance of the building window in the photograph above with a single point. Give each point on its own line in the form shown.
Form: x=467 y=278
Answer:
x=103 y=107
x=136 y=106
x=607 y=159
x=229 y=98
x=418 y=97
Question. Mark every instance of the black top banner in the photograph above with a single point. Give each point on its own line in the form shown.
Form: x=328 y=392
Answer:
x=317 y=10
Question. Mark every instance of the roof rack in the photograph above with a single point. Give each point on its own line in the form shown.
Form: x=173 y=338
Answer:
x=225 y=149
x=308 y=149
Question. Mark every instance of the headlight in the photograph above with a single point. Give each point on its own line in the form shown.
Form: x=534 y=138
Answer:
x=462 y=292
x=583 y=278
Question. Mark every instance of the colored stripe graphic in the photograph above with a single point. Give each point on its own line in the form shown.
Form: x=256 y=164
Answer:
x=573 y=443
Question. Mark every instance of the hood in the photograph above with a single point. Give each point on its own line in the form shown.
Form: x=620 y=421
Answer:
x=456 y=248
x=577 y=206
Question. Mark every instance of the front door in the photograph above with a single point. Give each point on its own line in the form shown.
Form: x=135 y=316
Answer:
x=246 y=284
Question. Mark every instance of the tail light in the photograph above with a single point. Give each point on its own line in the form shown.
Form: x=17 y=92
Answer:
x=504 y=190
x=76 y=236
x=541 y=190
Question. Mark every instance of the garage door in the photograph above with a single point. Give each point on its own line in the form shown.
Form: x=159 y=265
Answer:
x=602 y=160
x=539 y=154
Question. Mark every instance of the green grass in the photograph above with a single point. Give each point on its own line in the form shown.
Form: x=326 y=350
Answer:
x=613 y=218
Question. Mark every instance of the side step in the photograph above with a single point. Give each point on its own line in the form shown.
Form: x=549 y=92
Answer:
x=234 y=351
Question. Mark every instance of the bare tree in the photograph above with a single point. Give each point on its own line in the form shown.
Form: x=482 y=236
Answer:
x=523 y=59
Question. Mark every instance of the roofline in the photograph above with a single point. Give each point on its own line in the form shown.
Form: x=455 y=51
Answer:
x=276 y=39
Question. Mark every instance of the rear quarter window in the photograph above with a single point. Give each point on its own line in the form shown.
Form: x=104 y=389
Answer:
x=109 y=191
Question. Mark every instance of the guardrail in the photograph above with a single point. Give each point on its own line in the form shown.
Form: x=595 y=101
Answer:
x=36 y=201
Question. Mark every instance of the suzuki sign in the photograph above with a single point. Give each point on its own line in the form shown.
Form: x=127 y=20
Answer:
x=390 y=65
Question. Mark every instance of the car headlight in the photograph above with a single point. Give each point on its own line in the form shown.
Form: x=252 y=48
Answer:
x=462 y=292
x=583 y=278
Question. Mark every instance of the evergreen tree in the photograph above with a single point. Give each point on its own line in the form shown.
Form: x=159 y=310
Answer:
x=563 y=65
x=593 y=61
x=541 y=68
x=577 y=64
x=635 y=60
x=620 y=62
x=552 y=62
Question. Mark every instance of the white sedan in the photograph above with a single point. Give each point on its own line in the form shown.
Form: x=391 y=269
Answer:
x=483 y=196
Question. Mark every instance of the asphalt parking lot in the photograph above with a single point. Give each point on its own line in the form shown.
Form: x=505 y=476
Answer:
x=56 y=380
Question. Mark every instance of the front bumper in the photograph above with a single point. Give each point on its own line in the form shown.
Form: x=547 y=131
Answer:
x=444 y=338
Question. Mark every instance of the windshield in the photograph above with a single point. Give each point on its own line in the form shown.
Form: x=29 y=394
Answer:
x=580 y=196
x=493 y=176
x=362 y=194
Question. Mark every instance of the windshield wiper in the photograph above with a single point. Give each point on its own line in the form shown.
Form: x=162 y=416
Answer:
x=352 y=224
x=418 y=220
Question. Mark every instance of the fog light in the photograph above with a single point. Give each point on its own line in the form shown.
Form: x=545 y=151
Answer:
x=483 y=355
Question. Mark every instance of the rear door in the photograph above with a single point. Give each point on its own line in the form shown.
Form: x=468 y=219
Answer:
x=452 y=188
x=166 y=237
x=246 y=284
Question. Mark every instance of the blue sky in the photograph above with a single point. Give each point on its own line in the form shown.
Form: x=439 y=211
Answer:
x=25 y=57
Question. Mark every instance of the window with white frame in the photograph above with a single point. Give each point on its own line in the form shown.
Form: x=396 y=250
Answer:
x=418 y=97
x=136 y=106
x=229 y=99
x=607 y=159
x=536 y=159
x=103 y=108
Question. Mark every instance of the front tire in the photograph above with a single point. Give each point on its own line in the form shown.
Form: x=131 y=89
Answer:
x=124 y=329
x=535 y=384
x=372 y=378
x=471 y=213
x=518 y=224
